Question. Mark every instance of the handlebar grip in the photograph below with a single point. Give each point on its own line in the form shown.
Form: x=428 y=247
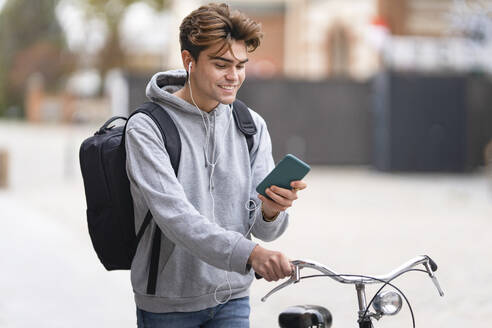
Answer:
x=433 y=264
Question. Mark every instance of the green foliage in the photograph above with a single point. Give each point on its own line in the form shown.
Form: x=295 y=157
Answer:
x=31 y=40
x=112 y=13
x=113 y=10
x=29 y=36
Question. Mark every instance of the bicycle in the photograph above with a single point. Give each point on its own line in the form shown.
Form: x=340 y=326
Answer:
x=383 y=302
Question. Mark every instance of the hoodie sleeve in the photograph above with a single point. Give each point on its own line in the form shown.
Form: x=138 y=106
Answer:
x=149 y=169
x=261 y=164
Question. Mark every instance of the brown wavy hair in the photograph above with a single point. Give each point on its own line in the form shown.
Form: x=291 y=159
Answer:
x=215 y=23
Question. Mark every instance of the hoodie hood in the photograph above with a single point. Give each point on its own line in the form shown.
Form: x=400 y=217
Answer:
x=162 y=85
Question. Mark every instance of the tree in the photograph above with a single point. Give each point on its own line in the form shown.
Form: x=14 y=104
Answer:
x=31 y=40
x=112 y=13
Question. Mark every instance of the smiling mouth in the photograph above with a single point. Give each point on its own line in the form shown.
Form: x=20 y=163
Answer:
x=227 y=87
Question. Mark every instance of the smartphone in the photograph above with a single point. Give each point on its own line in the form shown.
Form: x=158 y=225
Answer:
x=289 y=169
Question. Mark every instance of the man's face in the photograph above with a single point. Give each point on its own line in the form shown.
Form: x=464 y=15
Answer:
x=216 y=77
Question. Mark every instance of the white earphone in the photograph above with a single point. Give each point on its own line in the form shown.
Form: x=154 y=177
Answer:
x=212 y=164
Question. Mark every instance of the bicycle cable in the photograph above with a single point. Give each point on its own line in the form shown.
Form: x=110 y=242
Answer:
x=385 y=284
x=377 y=279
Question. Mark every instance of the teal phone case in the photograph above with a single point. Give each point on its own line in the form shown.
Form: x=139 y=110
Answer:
x=289 y=169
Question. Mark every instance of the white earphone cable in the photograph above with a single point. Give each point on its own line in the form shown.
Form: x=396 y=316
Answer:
x=212 y=164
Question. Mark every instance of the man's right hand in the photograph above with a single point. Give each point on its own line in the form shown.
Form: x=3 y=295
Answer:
x=271 y=265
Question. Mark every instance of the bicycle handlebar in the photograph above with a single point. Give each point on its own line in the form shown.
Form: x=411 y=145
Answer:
x=429 y=264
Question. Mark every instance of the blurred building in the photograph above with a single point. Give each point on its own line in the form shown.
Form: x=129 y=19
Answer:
x=438 y=35
x=315 y=39
x=303 y=39
x=379 y=82
x=366 y=82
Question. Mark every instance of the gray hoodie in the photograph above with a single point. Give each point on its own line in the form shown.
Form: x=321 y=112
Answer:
x=203 y=215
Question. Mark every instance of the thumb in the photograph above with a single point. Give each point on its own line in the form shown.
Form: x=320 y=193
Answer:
x=287 y=266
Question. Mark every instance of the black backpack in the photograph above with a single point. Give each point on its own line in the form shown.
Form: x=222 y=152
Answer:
x=110 y=215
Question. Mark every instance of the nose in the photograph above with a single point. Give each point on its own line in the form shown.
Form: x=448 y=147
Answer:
x=232 y=74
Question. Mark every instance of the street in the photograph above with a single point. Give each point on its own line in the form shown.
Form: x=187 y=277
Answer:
x=352 y=219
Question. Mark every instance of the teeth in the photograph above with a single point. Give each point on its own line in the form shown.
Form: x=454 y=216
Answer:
x=227 y=87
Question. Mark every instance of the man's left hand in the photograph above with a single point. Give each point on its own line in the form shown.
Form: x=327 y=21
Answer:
x=281 y=198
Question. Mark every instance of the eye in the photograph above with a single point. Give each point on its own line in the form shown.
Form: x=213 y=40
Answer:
x=240 y=66
x=220 y=65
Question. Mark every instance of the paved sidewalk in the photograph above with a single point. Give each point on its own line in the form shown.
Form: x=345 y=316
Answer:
x=363 y=222
x=352 y=219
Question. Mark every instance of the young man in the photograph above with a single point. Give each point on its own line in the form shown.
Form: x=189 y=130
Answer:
x=209 y=211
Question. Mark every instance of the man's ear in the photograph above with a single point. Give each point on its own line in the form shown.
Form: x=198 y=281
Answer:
x=187 y=59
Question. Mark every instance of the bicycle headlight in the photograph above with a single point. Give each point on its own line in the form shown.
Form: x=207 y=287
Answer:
x=387 y=303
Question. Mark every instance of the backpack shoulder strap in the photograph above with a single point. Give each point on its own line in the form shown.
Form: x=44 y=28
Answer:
x=244 y=121
x=172 y=142
x=169 y=132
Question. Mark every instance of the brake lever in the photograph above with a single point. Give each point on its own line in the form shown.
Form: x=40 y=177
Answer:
x=294 y=278
x=436 y=283
x=431 y=266
x=279 y=287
